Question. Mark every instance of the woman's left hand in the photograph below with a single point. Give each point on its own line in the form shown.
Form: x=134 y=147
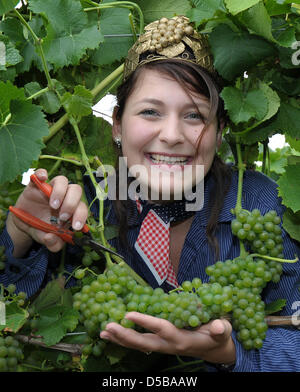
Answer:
x=211 y=342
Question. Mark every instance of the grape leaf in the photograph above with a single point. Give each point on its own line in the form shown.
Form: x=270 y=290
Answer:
x=48 y=100
x=285 y=122
x=291 y=223
x=294 y=143
x=8 y=92
x=286 y=84
x=235 y=52
x=205 y=10
x=49 y=296
x=98 y=139
x=274 y=8
x=78 y=104
x=289 y=187
x=153 y=10
x=12 y=55
x=236 y=6
x=54 y=322
x=16 y=317
x=12 y=28
x=257 y=20
x=116 y=353
x=113 y=48
x=28 y=49
x=244 y=106
x=275 y=306
x=289 y=119
x=261 y=131
x=284 y=36
x=7 y=5
x=273 y=100
x=69 y=33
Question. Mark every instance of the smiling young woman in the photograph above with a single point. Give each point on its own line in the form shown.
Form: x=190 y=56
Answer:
x=171 y=108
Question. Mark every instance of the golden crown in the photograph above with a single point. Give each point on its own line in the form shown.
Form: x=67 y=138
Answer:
x=166 y=39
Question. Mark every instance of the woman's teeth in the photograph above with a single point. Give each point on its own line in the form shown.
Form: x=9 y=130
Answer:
x=156 y=158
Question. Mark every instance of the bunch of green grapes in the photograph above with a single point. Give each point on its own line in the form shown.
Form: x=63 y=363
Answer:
x=247 y=276
x=233 y=291
x=262 y=232
x=11 y=353
x=248 y=318
x=114 y=293
x=2 y=258
x=245 y=272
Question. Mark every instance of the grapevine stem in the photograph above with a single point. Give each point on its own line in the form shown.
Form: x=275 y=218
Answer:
x=38 y=93
x=105 y=82
x=238 y=206
x=99 y=191
x=38 y=43
x=118 y=4
x=275 y=258
x=132 y=26
x=68 y=347
x=54 y=168
x=37 y=368
x=241 y=169
x=8 y=117
x=77 y=163
x=101 y=205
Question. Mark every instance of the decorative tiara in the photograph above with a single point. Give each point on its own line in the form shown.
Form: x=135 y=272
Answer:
x=167 y=39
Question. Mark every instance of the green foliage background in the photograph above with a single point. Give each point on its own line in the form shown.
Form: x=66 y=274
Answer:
x=62 y=56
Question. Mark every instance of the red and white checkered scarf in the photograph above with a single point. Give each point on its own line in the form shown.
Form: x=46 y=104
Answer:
x=153 y=242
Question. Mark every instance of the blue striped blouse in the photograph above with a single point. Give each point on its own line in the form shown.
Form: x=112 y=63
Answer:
x=281 y=348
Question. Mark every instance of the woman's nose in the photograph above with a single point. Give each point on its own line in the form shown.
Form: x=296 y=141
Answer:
x=171 y=131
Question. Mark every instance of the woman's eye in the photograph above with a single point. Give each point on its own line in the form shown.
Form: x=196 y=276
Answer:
x=149 y=112
x=195 y=116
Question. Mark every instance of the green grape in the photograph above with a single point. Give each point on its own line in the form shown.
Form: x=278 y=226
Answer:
x=10 y=354
x=79 y=274
x=11 y=288
x=87 y=260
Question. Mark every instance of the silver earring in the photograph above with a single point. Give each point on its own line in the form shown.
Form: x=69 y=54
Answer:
x=118 y=142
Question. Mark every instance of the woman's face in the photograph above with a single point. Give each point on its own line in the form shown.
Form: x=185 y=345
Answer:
x=159 y=129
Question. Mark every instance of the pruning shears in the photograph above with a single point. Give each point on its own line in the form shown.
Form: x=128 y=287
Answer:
x=83 y=239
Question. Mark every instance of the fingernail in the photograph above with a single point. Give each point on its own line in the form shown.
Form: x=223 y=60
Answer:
x=77 y=225
x=64 y=217
x=104 y=335
x=55 y=204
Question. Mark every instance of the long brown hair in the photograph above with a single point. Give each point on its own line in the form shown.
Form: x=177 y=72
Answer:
x=195 y=79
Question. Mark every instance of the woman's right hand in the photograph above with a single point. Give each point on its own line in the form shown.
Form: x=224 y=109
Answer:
x=64 y=203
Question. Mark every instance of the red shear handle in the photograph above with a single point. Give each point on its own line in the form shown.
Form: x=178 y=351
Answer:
x=42 y=185
x=64 y=234
x=47 y=190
